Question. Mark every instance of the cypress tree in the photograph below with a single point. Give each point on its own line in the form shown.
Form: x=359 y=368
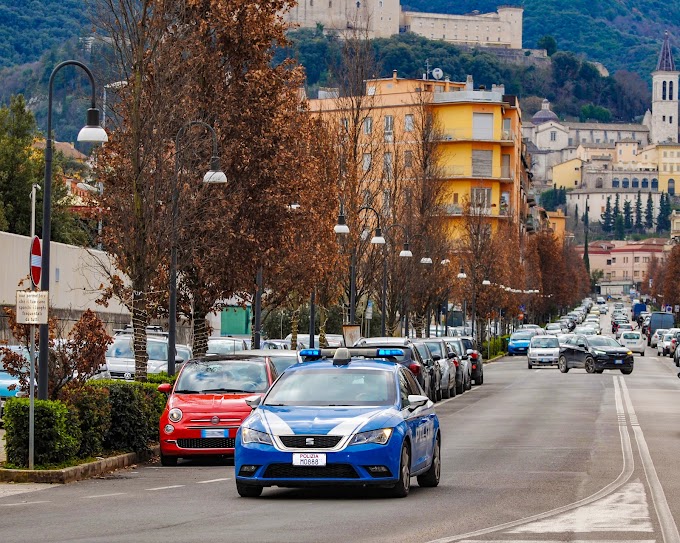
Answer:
x=607 y=218
x=619 y=228
x=649 y=212
x=663 y=222
x=638 y=213
x=628 y=215
x=617 y=207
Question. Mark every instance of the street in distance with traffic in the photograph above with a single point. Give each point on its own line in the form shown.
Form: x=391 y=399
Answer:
x=365 y=271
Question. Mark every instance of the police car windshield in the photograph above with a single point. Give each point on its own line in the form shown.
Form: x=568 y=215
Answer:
x=334 y=387
x=217 y=376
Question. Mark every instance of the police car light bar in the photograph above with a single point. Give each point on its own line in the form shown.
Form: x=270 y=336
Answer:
x=345 y=354
x=390 y=352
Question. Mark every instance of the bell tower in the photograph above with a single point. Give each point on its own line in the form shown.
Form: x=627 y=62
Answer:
x=665 y=97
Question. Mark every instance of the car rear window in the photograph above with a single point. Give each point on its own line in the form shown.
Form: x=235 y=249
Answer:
x=545 y=342
x=522 y=335
x=631 y=335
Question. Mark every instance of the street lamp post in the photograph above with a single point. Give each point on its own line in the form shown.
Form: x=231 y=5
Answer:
x=92 y=133
x=214 y=176
x=378 y=239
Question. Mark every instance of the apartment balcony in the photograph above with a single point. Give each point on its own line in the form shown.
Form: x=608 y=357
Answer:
x=462 y=172
x=467 y=96
x=457 y=210
x=460 y=135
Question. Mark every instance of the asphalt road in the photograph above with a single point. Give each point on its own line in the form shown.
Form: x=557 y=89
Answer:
x=530 y=456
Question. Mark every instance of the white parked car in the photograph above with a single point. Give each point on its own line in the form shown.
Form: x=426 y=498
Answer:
x=663 y=347
x=656 y=336
x=634 y=340
x=543 y=351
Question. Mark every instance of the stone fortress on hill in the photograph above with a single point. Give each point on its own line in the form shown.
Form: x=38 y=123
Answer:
x=385 y=18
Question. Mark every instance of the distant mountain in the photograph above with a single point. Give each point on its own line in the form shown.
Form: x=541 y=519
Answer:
x=28 y=28
x=621 y=34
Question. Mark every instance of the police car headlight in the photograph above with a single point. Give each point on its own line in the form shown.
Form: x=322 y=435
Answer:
x=175 y=415
x=380 y=437
x=248 y=435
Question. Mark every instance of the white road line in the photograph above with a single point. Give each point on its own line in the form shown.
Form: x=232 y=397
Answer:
x=669 y=529
x=23 y=503
x=164 y=487
x=624 y=476
x=213 y=480
x=103 y=495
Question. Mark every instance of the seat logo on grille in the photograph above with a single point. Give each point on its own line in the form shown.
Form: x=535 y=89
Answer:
x=309 y=441
x=215 y=420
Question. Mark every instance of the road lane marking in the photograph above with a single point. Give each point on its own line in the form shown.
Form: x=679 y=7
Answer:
x=669 y=529
x=623 y=478
x=103 y=495
x=164 y=487
x=213 y=480
x=623 y=511
x=23 y=503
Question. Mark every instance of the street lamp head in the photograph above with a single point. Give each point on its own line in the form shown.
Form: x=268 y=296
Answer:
x=378 y=239
x=445 y=262
x=294 y=206
x=426 y=260
x=92 y=132
x=406 y=252
x=215 y=175
x=341 y=227
x=462 y=274
x=486 y=282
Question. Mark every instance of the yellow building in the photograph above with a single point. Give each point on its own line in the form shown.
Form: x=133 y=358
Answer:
x=568 y=175
x=669 y=167
x=558 y=224
x=478 y=136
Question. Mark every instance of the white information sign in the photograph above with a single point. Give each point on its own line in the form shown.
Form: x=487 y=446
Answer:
x=32 y=306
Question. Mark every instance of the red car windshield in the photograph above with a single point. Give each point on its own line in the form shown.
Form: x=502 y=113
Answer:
x=218 y=376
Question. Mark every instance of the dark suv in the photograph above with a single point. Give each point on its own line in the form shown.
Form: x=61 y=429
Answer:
x=424 y=370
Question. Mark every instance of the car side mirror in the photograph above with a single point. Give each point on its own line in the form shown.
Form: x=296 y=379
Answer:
x=254 y=401
x=436 y=357
x=165 y=388
x=416 y=400
x=452 y=355
x=179 y=360
x=469 y=352
x=582 y=345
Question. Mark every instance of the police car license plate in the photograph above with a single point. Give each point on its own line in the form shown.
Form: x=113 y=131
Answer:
x=309 y=459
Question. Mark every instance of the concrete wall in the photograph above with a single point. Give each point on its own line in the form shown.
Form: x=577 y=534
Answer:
x=76 y=277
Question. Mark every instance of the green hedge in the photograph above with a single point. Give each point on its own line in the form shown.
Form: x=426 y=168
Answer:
x=57 y=432
x=497 y=347
x=99 y=416
x=160 y=378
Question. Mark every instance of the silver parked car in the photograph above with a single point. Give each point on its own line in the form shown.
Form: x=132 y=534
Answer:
x=543 y=351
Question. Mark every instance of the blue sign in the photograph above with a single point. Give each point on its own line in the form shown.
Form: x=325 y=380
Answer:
x=522 y=308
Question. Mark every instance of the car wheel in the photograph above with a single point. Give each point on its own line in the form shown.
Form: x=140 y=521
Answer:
x=439 y=394
x=590 y=365
x=481 y=379
x=431 y=477
x=626 y=371
x=460 y=388
x=599 y=371
x=168 y=460
x=400 y=490
x=529 y=365
x=562 y=364
x=248 y=491
x=446 y=393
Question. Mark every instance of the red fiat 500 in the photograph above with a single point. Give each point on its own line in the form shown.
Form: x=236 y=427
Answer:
x=208 y=403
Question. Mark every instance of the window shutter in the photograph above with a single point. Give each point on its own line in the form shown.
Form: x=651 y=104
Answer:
x=482 y=126
x=482 y=163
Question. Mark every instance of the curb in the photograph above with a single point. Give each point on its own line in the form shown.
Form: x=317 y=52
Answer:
x=494 y=359
x=77 y=473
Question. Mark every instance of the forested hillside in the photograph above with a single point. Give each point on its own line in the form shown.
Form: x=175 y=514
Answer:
x=28 y=28
x=622 y=34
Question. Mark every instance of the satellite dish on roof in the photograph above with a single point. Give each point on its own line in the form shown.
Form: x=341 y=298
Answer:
x=437 y=73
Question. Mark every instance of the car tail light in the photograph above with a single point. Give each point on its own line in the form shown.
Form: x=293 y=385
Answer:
x=474 y=366
x=474 y=356
x=415 y=368
x=456 y=363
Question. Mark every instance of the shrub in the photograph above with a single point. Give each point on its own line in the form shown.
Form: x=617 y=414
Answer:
x=94 y=413
x=160 y=378
x=135 y=412
x=496 y=347
x=57 y=432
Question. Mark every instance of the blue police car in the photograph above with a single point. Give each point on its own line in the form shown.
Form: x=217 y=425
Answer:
x=343 y=417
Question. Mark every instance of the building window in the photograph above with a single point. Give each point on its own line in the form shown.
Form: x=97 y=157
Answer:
x=481 y=197
x=344 y=122
x=368 y=125
x=637 y=259
x=455 y=197
x=599 y=183
x=553 y=135
x=636 y=183
x=664 y=120
x=663 y=93
x=389 y=127
x=615 y=183
x=609 y=262
x=625 y=183
x=482 y=126
x=670 y=93
x=613 y=260
x=387 y=165
x=625 y=260
x=367 y=161
x=408 y=159
x=671 y=187
x=571 y=141
x=386 y=201
x=408 y=122
x=655 y=184
x=636 y=273
x=482 y=163
x=613 y=275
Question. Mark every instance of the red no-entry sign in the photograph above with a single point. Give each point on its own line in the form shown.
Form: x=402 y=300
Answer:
x=36 y=261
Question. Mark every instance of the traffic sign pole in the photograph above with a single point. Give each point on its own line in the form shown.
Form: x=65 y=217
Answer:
x=31 y=385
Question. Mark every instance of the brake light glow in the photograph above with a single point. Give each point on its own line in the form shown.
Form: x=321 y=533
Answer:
x=474 y=366
x=415 y=368
x=456 y=363
x=474 y=356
